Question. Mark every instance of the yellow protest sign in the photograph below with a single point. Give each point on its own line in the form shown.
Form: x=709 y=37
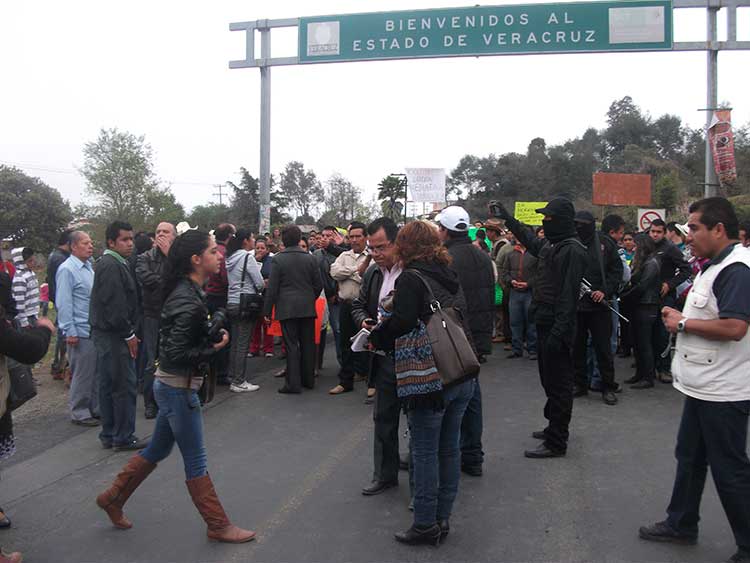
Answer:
x=525 y=212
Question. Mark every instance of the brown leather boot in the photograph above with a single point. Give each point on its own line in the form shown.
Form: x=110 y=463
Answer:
x=113 y=499
x=14 y=557
x=207 y=502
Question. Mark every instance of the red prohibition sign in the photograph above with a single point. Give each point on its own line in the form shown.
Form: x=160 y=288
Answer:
x=648 y=218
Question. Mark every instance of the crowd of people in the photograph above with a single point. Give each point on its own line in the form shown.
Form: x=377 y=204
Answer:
x=174 y=312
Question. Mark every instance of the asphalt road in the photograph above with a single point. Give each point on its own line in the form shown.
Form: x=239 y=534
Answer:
x=291 y=468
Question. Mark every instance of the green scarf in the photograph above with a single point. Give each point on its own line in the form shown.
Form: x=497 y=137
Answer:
x=116 y=256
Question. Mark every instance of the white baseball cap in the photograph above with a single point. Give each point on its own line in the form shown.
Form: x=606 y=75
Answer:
x=454 y=218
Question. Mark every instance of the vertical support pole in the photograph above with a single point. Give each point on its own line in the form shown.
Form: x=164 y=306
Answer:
x=406 y=197
x=711 y=181
x=264 y=223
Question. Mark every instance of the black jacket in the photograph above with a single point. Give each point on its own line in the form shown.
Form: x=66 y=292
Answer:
x=26 y=346
x=558 y=280
x=326 y=257
x=55 y=259
x=410 y=301
x=149 y=270
x=477 y=278
x=602 y=257
x=184 y=343
x=365 y=305
x=645 y=286
x=294 y=286
x=674 y=269
x=114 y=298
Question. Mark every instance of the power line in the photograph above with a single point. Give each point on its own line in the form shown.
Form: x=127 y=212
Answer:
x=43 y=168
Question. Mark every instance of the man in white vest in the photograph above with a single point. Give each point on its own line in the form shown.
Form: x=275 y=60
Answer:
x=711 y=367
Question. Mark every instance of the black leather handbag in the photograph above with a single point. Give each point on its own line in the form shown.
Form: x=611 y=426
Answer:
x=251 y=304
x=22 y=386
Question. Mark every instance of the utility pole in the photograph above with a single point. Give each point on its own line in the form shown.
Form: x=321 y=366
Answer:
x=219 y=194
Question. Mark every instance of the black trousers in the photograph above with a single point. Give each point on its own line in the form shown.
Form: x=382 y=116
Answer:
x=221 y=358
x=627 y=330
x=471 y=431
x=712 y=434
x=556 y=373
x=645 y=321
x=299 y=339
x=599 y=324
x=351 y=362
x=386 y=414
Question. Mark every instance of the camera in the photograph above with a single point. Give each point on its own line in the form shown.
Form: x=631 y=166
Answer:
x=496 y=209
x=215 y=324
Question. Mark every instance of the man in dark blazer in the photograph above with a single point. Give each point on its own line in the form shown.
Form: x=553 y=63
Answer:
x=293 y=288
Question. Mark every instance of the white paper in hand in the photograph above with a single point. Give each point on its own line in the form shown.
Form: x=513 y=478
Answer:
x=360 y=341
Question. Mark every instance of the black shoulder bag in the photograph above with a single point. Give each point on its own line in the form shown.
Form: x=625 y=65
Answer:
x=454 y=357
x=251 y=304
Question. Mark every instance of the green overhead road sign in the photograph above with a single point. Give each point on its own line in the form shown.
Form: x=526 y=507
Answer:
x=636 y=25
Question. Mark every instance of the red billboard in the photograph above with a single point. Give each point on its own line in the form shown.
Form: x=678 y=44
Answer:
x=622 y=189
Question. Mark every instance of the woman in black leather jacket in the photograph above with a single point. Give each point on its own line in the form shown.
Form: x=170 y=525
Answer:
x=184 y=349
x=643 y=299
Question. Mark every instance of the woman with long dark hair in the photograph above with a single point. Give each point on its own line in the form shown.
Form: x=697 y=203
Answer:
x=244 y=278
x=184 y=353
x=642 y=298
x=26 y=346
x=434 y=412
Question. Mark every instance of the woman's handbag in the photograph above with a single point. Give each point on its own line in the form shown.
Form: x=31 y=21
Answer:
x=454 y=356
x=251 y=304
x=22 y=386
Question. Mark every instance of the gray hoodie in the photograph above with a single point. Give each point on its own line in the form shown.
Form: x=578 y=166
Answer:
x=253 y=278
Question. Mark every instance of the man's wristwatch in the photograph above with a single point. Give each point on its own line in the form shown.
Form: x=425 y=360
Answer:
x=681 y=325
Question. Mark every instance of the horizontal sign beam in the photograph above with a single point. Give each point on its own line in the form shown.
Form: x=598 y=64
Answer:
x=633 y=25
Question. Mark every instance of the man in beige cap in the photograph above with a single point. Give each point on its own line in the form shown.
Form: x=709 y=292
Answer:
x=501 y=247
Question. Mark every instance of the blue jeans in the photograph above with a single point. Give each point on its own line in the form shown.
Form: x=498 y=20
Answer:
x=117 y=389
x=520 y=325
x=334 y=317
x=435 y=454
x=179 y=420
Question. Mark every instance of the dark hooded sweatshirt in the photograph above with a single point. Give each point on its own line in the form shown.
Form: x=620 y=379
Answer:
x=410 y=301
x=562 y=261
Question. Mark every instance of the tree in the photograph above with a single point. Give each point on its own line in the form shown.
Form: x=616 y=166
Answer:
x=119 y=174
x=343 y=202
x=300 y=188
x=627 y=126
x=162 y=205
x=33 y=213
x=390 y=191
x=208 y=217
x=245 y=202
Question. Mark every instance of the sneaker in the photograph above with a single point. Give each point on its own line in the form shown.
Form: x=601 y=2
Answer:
x=251 y=354
x=269 y=354
x=244 y=387
x=663 y=532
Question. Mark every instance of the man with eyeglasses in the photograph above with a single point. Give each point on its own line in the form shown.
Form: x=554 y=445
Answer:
x=378 y=283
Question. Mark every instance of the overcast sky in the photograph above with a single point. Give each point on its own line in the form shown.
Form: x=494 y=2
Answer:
x=160 y=69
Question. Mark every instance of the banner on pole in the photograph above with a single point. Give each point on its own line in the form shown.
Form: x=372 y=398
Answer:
x=648 y=216
x=264 y=225
x=426 y=184
x=525 y=212
x=722 y=146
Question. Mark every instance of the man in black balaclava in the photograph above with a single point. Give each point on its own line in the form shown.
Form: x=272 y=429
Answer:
x=554 y=302
x=604 y=274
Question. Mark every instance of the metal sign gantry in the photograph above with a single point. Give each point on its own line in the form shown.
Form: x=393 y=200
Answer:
x=711 y=45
